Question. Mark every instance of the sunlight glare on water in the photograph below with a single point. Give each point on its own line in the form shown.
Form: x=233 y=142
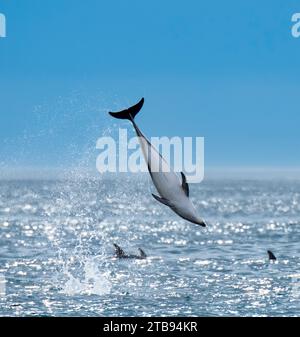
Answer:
x=57 y=255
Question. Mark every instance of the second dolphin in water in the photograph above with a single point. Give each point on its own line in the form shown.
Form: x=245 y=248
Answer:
x=173 y=192
x=120 y=254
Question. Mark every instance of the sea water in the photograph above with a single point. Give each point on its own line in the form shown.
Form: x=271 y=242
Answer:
x=57 y=254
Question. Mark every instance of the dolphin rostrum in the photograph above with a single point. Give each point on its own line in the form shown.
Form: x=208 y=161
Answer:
x=173 y=192
x=119 y=253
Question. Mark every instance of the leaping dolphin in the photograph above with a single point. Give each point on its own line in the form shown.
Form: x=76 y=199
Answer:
x=119 y=253
x=173 y=192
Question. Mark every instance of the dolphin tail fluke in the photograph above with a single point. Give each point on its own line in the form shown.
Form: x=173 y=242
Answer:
x=129 y=113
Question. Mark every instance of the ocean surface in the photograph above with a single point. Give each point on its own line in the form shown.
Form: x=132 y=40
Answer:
x=57 y=255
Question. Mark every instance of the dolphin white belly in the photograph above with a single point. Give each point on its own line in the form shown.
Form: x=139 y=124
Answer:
x=173 y=191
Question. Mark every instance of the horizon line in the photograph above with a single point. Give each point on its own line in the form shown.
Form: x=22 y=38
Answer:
x=210 y=172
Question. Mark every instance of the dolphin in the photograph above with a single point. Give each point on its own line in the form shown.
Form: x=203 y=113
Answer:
x=173 y=191
x=119 y=253
x=271 y=255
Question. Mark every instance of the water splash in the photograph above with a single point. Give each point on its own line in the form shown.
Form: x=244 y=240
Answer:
x=94 y=282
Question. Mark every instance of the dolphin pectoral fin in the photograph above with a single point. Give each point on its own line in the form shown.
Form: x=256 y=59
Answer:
x=185 y=185
x=162 y=200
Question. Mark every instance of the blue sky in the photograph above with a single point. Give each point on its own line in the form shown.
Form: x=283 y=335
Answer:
x=225 y=70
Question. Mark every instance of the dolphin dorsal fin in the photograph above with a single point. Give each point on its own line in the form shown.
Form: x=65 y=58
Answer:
x=185 y=185
x=271 y=255
x=119 y=251
x=143 y=254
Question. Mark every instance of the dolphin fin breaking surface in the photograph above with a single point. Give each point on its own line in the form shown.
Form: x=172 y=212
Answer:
x=143 y=254
x=271 y=255
x=119 y=253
